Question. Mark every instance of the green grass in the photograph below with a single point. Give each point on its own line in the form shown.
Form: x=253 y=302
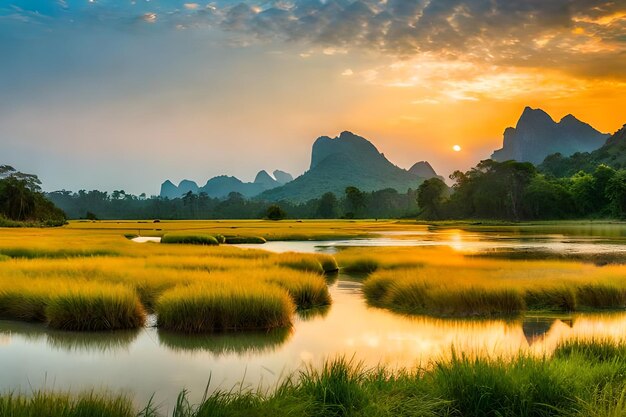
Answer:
x=237 y=240
x=581 y=378
x=95 y=309
x=212 y=307
x=189 y=239
x=43 y=404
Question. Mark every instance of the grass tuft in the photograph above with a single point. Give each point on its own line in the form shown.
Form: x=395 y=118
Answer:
x=211 y=307
x=237 y=240
x=189 y=239
x=95 y=308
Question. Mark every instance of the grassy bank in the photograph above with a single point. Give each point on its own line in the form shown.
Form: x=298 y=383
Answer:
x=578 y=379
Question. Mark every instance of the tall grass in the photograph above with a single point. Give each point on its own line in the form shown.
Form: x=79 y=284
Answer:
x=94 y=308
x=43 y=404
x=582 y=378
x=237 y=240
x=483 y=289
x=306 y=289
x=300 y=261
x=209 y=307
x=189 y=239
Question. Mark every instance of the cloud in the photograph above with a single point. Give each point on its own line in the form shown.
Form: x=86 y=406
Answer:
x=583 y=37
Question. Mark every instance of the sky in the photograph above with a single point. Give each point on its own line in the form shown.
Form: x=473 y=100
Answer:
x=124 y=94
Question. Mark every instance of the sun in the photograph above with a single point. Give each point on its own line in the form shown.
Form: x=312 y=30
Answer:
x=456 y=148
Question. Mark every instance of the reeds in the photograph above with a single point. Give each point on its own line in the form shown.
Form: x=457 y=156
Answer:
x=210 y=307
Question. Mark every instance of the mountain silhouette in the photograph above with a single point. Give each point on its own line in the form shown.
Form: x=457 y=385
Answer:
x=537 y=135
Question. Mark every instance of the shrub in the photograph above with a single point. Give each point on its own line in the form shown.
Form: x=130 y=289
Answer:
x=275 y=212
x=189 y=239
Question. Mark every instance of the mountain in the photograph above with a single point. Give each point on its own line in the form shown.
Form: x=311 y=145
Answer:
x=221 y=186
x=347 y=160
x=264 y=180
x=282 y=177
x=425 y=170
x=612 y=153
x=537 y=135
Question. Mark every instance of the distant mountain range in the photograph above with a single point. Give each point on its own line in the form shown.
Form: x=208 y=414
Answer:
x=221 y=186
x=336 y=163
x=612 y=153
x=537 y=135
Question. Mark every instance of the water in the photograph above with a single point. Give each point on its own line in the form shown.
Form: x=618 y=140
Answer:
x=152 y=362
x=558 y=239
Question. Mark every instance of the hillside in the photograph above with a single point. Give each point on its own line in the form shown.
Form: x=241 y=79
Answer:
x=612 y=153
x=347 y=160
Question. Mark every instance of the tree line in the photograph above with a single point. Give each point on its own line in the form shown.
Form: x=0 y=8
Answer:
x=519 y=191
x=354 y=203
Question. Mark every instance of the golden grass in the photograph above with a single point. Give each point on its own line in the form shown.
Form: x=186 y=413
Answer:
x=61 y=283
x=44 y=262
x=222 y=306
x=480 y=288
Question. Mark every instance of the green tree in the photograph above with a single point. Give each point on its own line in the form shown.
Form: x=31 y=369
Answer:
x=430 y=197
x=545 y=198
x=327 y=207
x=616 y=193
x=354 y=202
x=583 y=189
x=275 y=212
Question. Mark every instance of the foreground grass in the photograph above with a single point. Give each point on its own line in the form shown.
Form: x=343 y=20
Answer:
x=581 y=378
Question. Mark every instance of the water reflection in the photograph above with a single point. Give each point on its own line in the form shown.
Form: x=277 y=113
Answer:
x=152 y=362
x=257 y=343
x=313 y=313
x=101 y=342
x=561 y=239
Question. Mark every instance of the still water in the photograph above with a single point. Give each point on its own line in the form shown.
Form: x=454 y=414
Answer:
x=150 y=361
